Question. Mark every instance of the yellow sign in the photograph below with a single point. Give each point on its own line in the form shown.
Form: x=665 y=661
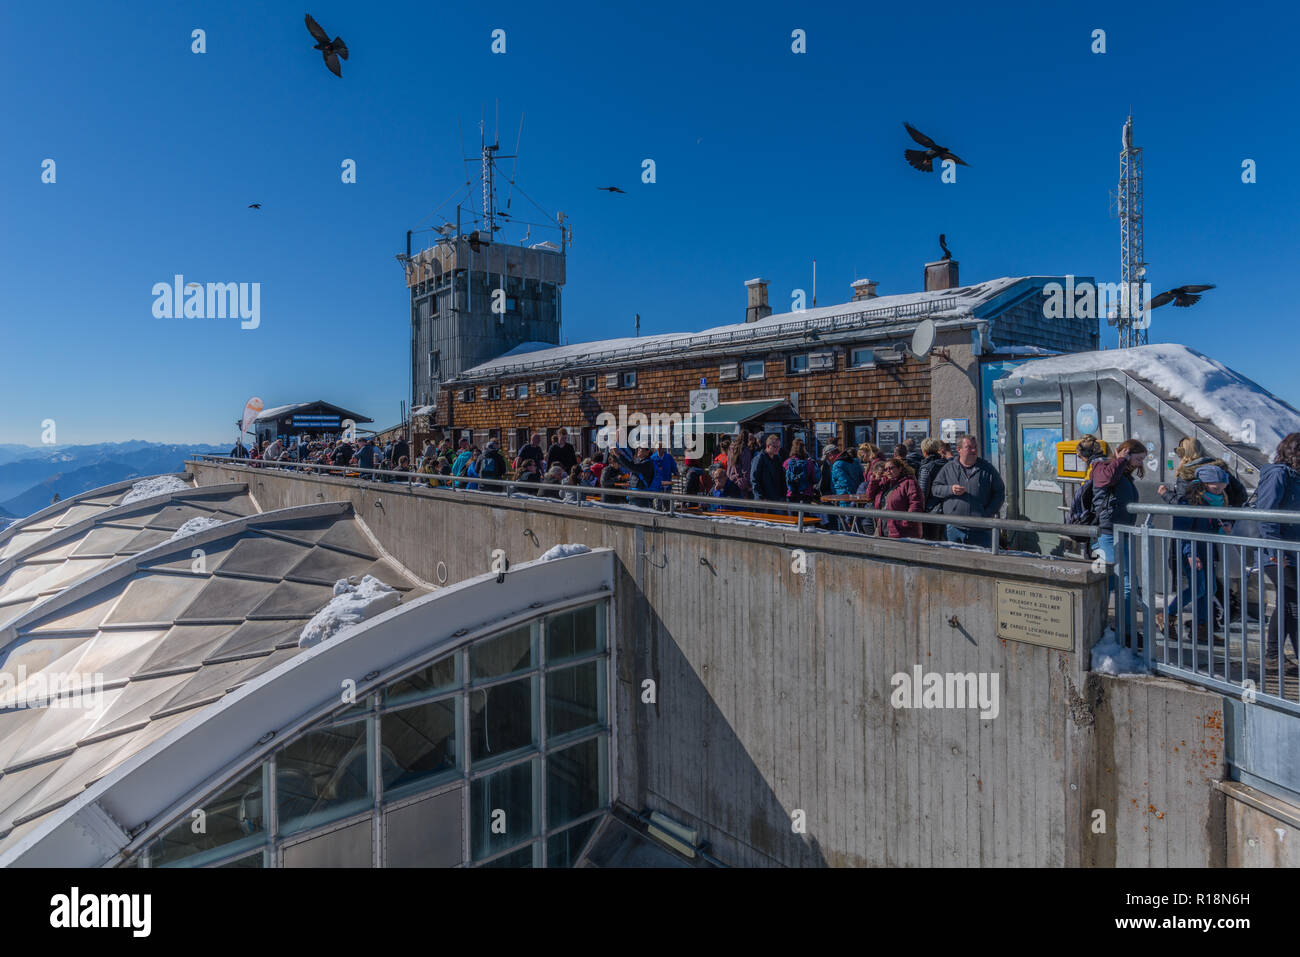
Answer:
x=1035 y=615
x=1069 y=463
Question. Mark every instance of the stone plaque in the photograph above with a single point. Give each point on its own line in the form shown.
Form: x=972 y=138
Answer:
x=1036 y=615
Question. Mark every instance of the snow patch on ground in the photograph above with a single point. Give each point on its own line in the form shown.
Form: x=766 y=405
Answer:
x=158 y=485
x=1228 y=399
x=563 y=551
x=1109 y=657
x=194 y=526
x=355 y=600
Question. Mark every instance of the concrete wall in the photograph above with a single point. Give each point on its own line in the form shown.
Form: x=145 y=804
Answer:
x=1262 y=830
x=773 y=687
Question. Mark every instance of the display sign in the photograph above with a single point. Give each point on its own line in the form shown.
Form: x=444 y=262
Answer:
x=315 y=421
x=1035 y=615
x=916 y=429
x=1113 y=433
x=252 y=409
x=1085 y=419
x=824 y=430
x=951 y=429
x=703 y=400
x=889 y=432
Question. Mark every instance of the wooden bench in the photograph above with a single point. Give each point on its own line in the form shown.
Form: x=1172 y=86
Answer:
x=775 y=517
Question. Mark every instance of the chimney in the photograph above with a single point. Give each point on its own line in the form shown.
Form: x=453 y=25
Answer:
x=864 y=289
x=941 y=275
x=757 y=307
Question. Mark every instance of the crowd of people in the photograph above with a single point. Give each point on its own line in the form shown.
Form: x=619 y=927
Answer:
x=929 y=477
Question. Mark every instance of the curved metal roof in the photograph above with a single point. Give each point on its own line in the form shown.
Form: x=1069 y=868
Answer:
x=108 y=663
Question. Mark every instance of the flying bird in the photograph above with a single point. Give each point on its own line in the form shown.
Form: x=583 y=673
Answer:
x=924 y=161
x=331 y=50
x=612 y=189
x=947 y=253
x=254 y=205
x=1182 y=296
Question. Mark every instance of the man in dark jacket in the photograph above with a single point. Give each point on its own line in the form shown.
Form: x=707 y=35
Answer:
x=1279 y=490
x=639 y=469
x=561 y=453
x=766 y=477
x=914 y=456
x=400 y=450
x=342 y=454
x=533 y=450
x=493 y=466
x=968 y=485
x=366 y=457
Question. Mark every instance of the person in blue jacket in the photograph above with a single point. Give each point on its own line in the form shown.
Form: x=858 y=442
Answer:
x=1279 y=490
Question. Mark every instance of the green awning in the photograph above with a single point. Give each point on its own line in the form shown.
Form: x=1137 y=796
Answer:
x=729 y=416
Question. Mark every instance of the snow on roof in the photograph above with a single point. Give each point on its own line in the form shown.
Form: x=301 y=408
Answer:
x=947 y=304
x=524 y=347
x=1228 y=399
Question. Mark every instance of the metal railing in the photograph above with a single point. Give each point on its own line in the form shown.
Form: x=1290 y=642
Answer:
x=673 y=502
x=1234 y=590
x=757 y=333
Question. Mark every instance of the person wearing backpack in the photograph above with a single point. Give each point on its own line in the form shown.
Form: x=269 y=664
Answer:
x=800 y=473
x=1279 y=490
x=492 y=466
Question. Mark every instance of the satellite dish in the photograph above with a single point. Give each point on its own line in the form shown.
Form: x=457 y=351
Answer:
x=923 y=338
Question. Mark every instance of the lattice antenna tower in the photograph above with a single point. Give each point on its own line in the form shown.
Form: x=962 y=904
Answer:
x=1132 y=262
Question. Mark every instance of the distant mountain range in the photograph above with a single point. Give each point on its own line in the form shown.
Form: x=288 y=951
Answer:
x=30 y=476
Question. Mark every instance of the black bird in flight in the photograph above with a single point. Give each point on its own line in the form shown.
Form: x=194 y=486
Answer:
x=947 y=253
x=254 y=205
x=612 y=189
x=331 y=50
x=924 y=161
x=1182 y=296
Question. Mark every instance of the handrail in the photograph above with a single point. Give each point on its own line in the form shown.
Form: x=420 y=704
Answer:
x=722 y=505
x=1231 y=514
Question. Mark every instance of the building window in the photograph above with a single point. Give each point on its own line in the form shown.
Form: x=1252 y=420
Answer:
x=433 y=364
x=729 y=372
x=553 y=387
x=752 y=369
x=589 y=383
x=798 y=364
x=629 y=380
x=521 y=391
x=467 y=395
x=863 y=358
x=494 y=392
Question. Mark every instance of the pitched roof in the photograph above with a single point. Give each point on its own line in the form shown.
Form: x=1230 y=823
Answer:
x=965 y=302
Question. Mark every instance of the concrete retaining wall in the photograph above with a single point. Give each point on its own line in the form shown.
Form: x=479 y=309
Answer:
x=773 y=688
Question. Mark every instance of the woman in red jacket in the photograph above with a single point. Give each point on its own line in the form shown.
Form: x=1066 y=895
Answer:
x=896 y=490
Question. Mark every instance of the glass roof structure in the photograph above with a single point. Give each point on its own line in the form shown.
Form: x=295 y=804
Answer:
x=143 y=677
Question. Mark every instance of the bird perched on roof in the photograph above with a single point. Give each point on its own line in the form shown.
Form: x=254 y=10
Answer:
x=947 y=253
x=612 y=189
x=331 y=50
x=924 y=161
x=1182 y=296
x=254 y=205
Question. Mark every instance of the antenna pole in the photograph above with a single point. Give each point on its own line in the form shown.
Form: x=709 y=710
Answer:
x=814 y=284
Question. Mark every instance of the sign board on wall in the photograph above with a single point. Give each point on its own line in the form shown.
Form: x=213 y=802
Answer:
x=889 y=432
x=1112 y=432
x=1035 y=615
x=916 y=429
x=950 y=429
x=703 y=400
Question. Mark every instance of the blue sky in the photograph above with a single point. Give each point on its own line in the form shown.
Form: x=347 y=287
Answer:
x=765 y=159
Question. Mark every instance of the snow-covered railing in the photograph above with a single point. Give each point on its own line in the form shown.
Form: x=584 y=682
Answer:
x=672 y=503
x=1227 y=585
x=758 y=332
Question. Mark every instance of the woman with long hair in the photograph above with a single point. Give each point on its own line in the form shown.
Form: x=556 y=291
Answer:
x=738 y=461
x=800 y=473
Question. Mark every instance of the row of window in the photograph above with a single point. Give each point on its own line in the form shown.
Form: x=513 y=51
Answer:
x=512 y=731
x=797 y=364
x=614 y=380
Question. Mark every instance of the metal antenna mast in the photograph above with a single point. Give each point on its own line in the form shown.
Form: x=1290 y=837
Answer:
x=1132 y=263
